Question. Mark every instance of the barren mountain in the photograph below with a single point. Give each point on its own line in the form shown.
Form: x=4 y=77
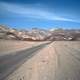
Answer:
x=36 y=34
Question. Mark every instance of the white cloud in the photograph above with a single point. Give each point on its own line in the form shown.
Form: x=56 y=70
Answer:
x=33 y=12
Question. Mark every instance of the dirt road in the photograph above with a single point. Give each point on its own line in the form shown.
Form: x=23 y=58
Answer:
x=59 y=60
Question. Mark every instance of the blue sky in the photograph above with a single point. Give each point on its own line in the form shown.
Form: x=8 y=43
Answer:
x=46 y=14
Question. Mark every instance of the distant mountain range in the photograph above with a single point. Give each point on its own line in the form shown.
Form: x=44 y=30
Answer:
x=36 y=34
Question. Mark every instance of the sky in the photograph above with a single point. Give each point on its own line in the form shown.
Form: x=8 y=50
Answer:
x=45 y=14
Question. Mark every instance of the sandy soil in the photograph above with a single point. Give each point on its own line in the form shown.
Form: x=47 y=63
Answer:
x=8 y=46
x=54 y=62
x=44 y=65
x=40 y=67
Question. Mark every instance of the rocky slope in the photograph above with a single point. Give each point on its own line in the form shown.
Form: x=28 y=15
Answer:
x=36 y=34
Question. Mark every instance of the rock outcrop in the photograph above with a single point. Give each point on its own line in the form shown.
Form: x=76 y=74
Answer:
x=36 y=34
